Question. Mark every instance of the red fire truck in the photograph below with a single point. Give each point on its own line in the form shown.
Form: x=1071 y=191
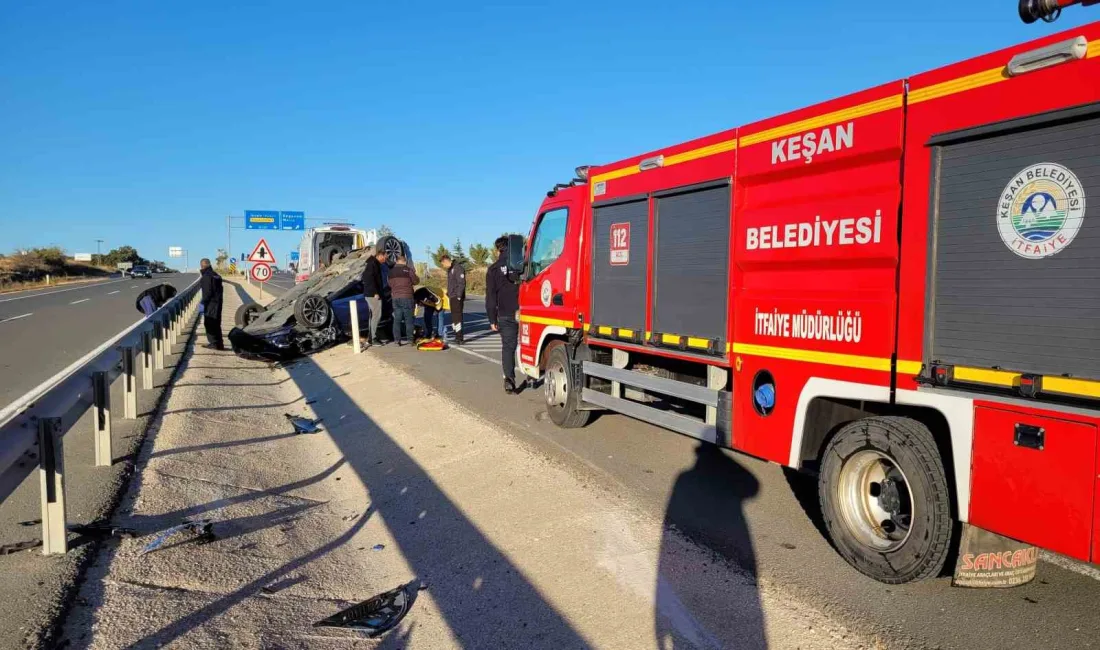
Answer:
x=897 y=290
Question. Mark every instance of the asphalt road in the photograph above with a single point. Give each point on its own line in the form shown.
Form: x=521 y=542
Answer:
x=44 y=330
x=757 y=515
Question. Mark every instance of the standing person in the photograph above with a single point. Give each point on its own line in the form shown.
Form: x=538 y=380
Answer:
x=402 y=279
x=373 y=290
x=502 y=307
x=211 y=285
x=456 y=294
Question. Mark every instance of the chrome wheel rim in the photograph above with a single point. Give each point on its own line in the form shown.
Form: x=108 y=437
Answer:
x=314 y=310
x=557 y=385
x=392 y=250
x=875 y=501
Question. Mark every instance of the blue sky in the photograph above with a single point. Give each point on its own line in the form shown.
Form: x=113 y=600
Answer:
x=146 y=123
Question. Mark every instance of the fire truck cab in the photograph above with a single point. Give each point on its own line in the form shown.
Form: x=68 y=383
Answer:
x=897 y=290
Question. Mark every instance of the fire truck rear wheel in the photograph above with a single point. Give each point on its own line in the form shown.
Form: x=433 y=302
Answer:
x=563 y=395
x=885 y=499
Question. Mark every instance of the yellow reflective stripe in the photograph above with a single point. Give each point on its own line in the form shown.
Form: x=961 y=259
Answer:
x=625 y=332
x=986 y=376
x=671 y=339
x=843 y=115
x=977 y=80
x=969 y=82
x=1068 y=386
x=701 y=152
x=539 y=320
x=698 y=343
x=586 y=326
x=604 y=329
x=813 y=356
x=674 y=159
x=909 y=367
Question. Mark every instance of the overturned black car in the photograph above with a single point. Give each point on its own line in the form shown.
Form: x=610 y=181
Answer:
x=317 y=312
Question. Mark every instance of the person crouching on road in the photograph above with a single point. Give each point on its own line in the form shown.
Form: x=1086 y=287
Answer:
x=402 y=279
x=429 y=302
x=456 y=294
x=211 y=305
x=373 y=290
x=152 y=299
x=502 y=307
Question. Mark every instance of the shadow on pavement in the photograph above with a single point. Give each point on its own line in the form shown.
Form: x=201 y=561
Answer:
x=707 y=505
x=483 y=597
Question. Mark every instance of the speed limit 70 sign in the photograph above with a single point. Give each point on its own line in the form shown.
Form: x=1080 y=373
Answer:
x=261 y=272
x=620 y=244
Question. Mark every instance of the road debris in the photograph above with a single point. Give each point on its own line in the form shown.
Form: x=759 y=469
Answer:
x=8 y=549
x=204 y=528
x=303 y=425
x=378 y=614
x=101 y=530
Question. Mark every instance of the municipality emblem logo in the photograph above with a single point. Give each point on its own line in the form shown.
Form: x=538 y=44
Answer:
x=1041 y=210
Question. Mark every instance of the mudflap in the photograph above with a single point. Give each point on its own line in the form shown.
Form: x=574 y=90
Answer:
x=988 y=560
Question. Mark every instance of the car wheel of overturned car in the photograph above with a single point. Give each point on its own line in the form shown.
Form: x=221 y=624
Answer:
x=885 y=499
x=312 y=311
x=246 y=314
x=563 y=395
x=391 y=246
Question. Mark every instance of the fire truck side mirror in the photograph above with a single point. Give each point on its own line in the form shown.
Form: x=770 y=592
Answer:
x=515 y=253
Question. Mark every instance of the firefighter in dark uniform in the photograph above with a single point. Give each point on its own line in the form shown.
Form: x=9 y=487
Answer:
x=211 y=285
x=502 y=308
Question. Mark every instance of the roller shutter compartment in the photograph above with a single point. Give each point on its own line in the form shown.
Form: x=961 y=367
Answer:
x=619 y=288
x=691 y=263
x=1016 y=249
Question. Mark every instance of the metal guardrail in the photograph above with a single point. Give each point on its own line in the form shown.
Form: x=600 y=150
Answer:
x=32 y=427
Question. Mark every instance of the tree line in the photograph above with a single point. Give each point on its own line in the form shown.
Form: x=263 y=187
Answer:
x=477 y=255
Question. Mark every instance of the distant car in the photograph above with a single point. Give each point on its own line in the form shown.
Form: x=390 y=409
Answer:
x=315 y=313
x=140 y=272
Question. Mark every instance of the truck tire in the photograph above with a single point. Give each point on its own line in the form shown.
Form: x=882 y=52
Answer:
x=563 y=395
x=247 y=313
x=885 y=499
x=392 y=247
x=328 y=255
x=312 y=311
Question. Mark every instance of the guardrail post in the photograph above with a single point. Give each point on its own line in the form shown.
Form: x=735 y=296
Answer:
x=129 y=383
x=147 y=360
x=158 y=345
x=354 y=326
x=171 y=328
x=177 y=320
x=51 y=474
x=101 y=418
x=169 y=331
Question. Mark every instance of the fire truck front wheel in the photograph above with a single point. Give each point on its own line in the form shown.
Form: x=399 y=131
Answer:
x=885 y=499
x=563 y=395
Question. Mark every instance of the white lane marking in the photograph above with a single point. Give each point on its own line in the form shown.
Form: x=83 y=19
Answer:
x=113 y=293
x=15 y=317
x=134 y=287
x=92 y=285
x=77 y=302
x=1071 y=564
x=475 y=354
